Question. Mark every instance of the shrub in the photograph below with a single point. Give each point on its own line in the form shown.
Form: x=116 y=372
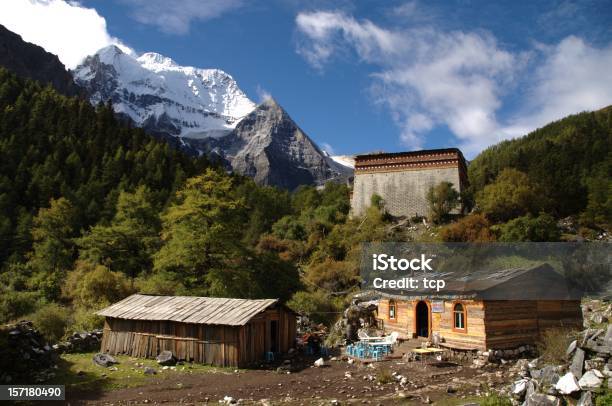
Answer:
x=495 y=400
x=383 y=376
x=51 y=320
x=92 y=286
x=604 y=399
x=442 y=199
x=14 y=305
x=553 y=344
x=317 y=305
x=84 y=319
x=472 y=228
x=530 y=228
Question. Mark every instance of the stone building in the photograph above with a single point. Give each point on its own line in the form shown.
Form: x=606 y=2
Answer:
x=402 y=179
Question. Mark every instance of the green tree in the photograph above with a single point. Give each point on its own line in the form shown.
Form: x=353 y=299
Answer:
x=53 y=249
x=511 y=195
x=201 y=231
x=442 y=199
x=129 y=242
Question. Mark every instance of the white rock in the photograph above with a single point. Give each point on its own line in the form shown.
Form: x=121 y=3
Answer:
x=351 y=361
x=519 y=387
x=567 y=384
x=319 y=363
x=590 y=380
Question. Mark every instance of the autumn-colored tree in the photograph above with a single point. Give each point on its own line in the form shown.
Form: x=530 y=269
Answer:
x=472 y=228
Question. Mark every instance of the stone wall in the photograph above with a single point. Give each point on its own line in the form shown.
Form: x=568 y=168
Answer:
x=404 y=192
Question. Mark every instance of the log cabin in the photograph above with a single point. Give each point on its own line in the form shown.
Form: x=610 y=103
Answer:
x=501 y=310
x=216 y=331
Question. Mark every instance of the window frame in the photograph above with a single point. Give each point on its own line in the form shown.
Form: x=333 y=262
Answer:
x=464 y=317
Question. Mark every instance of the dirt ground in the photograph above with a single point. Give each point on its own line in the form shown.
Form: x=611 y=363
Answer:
x=340 y=381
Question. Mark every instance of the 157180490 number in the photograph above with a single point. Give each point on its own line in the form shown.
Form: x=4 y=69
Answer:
x=32 y=392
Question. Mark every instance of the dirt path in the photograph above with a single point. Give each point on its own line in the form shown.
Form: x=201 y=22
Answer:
x=341 y=381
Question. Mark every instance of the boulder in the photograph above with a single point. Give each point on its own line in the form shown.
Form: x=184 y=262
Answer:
x=319 y=363
x=577 y=365
x=590 y=381
x=149 y=371
x=549 y=375
x=608 y=336
x=540 y=399
x=519 y=388
x=104 y=360
x=571 y=348
x=567 y=384
x=586 y=399
x=166 y=358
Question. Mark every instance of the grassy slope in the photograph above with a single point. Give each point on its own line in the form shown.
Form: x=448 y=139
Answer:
x=79 y=373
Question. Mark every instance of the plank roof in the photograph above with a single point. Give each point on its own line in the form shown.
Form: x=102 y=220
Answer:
x=187 y=309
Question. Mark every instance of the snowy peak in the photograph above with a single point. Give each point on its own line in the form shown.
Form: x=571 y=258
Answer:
x=154 y=61
x=162 y=96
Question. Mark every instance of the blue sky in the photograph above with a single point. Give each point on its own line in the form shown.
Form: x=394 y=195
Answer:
x=366 y=75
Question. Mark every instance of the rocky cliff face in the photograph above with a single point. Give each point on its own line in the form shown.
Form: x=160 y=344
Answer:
x=31 y=61
x=204 y=110
x=270 y=147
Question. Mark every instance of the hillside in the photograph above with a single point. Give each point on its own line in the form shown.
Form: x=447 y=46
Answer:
x=569 y=159
x=54 y=146
x=31 y=61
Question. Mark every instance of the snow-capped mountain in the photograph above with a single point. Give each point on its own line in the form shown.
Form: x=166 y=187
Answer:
x=162 y=96
x=206 y=111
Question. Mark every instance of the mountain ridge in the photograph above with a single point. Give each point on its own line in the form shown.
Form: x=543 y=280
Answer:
x=204 y=110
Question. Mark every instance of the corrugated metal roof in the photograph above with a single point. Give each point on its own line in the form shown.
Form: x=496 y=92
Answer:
x=187 y=309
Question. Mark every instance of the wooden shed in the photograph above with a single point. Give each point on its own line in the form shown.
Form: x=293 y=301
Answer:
x=504 y=310
x=217 y=331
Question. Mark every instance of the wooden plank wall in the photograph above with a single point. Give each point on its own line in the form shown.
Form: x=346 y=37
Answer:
x=404 y=322
x=473 y=337
x=511 y=323
x=559 y=313
x=207 y=344
x=216 y=345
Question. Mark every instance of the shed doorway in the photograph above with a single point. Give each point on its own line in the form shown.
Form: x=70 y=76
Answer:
x=421 y=318
x=274 y=336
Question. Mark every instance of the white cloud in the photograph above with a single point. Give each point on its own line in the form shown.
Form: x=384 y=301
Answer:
x=175 y=17
x=328 y=148
x=262 y=94
x=429 y=78
x=69 y=30
x=572 y=77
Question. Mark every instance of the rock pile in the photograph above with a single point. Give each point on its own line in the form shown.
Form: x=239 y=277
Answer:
x=26 y=357
x=596 y=313
x=81 y=342
x=588 y=372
